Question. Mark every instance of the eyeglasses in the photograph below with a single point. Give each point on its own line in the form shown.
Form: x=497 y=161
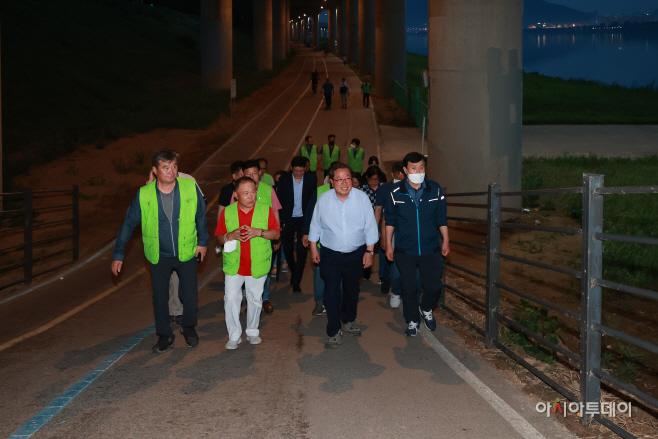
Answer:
x=342 y=180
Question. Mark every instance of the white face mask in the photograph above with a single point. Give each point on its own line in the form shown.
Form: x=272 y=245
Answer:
x=416 y=178
x=395 y=181
x=352 y=146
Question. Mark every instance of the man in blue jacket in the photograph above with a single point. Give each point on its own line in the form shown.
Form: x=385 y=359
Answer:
x=174 y=230
x=414 y=211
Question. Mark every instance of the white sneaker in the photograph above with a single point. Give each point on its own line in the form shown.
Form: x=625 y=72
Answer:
x=233 y=344
x=254 y=339
x=395 y=301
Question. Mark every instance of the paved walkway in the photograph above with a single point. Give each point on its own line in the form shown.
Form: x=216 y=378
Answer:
x=381 y=384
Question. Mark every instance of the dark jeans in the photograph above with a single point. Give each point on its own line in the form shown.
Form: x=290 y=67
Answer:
x=292 y=226
x=314 y=85
x=431 y=268
x=187 y=292
x=384 y=266
x=366 y=99
x=334 y=268
x=327 y=98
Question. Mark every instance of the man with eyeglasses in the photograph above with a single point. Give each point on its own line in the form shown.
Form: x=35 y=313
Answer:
x=344 y=222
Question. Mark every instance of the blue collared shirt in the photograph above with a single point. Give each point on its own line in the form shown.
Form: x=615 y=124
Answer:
x=415 y=194
x=343 y=226
x=297 y=187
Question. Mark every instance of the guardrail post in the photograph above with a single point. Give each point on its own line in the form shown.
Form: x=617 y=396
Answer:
x=442 y=294
x=493 y=264
x=27 y=234
x=76 y=222
x=590 y=305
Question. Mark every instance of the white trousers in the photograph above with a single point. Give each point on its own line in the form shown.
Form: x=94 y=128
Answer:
x=233 y=300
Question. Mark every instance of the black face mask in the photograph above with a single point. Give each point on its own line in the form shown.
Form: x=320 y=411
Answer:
x=331 y=143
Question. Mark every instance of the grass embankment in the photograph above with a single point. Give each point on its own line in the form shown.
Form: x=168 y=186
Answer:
x=548 y=100
x=91 y=71
x=633 y=214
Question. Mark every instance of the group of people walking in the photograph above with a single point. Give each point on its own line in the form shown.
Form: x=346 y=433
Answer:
x=328 y=90
x=341 y=222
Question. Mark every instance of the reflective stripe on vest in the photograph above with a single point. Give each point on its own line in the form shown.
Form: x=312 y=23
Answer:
x=261 y=248
x=312 y=156
x=264 y=194
x=329 y=158
x=355 y=159
x=187 y=234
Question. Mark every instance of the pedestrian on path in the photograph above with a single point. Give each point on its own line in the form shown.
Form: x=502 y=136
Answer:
x=174 y=230
x=315 y=76
x=310 y=151
x=373 y=160
x=355 y=156
x=330 y=153
x=226 y=193
x=296 y=191
x=365 y=90
x=328 y=89
x=344 y=223
x=415 y=209
x=248 y=262
x=370 y=189
x=344 y=93
x=264 y=176
x=344 y=60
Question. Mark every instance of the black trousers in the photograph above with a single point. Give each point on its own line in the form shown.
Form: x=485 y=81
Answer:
x=327 y=98
x=431 y=268
x=334 y=268
x=314 y=85
x=292 y=226
x=187 y=292
x=366 y=99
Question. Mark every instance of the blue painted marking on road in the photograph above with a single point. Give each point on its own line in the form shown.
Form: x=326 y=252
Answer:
x=45 y=415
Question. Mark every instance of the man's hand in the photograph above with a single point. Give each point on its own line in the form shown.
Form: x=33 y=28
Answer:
x=445 y=248
x=250 y=233
x=305 y=241
x=116 y=267
x=201 y=250
x=389 y=253
x=367 y=260
x=277 y=245
x=151 y=177
x=382 y=244
x=315 y=254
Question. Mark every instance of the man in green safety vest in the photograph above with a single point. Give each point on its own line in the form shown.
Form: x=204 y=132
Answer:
x=245 y=229
x=330 y=154
x=174 y=230
x=365 y=90
x=310 y=151
x=264 y=176
x=355 y=156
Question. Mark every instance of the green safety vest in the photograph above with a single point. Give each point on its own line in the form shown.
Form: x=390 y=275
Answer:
x=312 y=156
x=355 y=159
x=187 y=235
x=267 y=179
x=329 y=158
x=264 y=194
x=321 y=190
x=261 y=248
x=366 y=88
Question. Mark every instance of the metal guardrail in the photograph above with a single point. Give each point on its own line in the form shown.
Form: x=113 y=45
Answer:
x=591 y=328
x=28 y=226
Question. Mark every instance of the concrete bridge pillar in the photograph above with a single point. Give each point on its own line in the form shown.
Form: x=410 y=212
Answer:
x=279 y=26
x=286 y=14
x=263 y=34
x=476 y=90
x=216 y=44
x=390 y=48
x=352 y=7
x=367 y=36
x=331 y=24
x=316 y=31
x=341 y=22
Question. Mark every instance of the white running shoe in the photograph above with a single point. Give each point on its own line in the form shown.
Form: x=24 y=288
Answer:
x=395 y=301
x=233 y=344
x=254 y=339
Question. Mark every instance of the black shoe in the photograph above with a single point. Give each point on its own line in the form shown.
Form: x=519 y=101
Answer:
x=164 y=342
x=177 y=320
x=296 y=289
x=191 y=337
x=386 y=286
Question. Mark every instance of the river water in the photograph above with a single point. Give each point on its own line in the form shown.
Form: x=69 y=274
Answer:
x=624 y=58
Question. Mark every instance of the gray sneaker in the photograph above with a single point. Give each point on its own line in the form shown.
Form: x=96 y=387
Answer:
x=335 y=341
x=319 y=309
x=352 y=328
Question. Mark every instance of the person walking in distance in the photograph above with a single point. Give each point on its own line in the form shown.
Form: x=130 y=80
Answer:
x=344 y=93
x=174 y=230
x=343 y=220
x=414 y=210
x=365 y=91
x=355 y=156
x=310 y=151
x=315 y=76
x=296 y=191
x=330 y=153
x=247 y=262
x=264 y=176
x=328 y=89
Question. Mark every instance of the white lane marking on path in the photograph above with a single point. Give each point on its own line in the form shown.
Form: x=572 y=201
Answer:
x=108 y=246
x=40 y=419
x=523 y=427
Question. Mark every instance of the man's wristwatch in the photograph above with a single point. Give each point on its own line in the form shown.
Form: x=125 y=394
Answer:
x=262 y=233
x=372 y=253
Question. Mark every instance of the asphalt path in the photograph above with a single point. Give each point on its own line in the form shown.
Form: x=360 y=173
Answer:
x=379 y=385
